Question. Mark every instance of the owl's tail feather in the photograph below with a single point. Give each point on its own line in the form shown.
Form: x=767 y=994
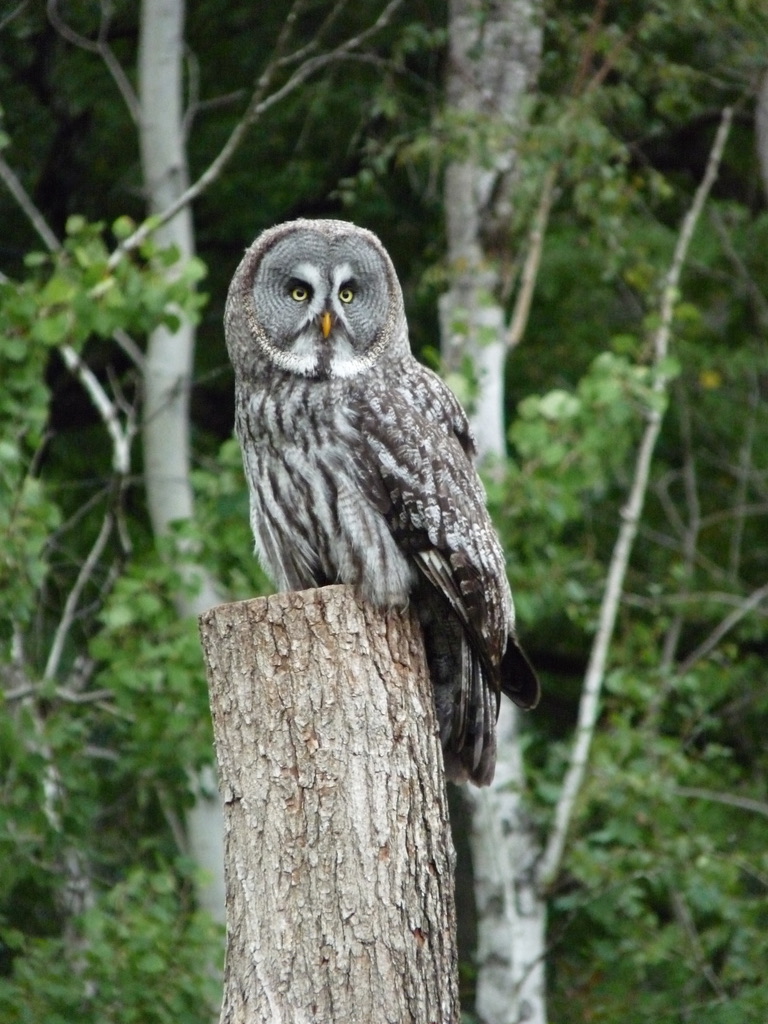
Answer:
x=472 y=740
x=483 y=762
x=519 y=682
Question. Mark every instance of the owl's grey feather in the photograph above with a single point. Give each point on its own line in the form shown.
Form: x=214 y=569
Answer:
x=360 y=469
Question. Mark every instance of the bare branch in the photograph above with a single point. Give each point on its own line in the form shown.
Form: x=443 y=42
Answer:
x=690 y=534
x=311 y=47
x=611 y=58
x=757 y=508
x=725 y=626
x=753 y=289
x=743 y=803
x=286 y=30
x=661 y=490
x=91 y=697
x=130 y=348
x=692 y=598
x=9 y=17
x=65 y=31
x=103 y=49
x=32 y=213
x=73 y=597
x=259 y=104
x=21 y=692
x=670 y=293
x=194 y=104
x=122 y=435
x=173 y=820
x=686 y=922
x=530 y=272
x=617 y=569
x=588 y=50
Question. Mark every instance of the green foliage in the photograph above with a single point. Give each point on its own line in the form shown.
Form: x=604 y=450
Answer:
x=79 y=743
x=67 y=298
x=666 y=876
x=132 y=958
x=27 y=517
x=150 y=661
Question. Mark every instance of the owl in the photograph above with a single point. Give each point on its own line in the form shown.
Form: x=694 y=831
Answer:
x=359 y=463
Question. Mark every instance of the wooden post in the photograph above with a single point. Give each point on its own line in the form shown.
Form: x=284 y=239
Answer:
x=338 y=855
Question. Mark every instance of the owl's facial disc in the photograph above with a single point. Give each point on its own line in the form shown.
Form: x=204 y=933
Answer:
x=321 y=305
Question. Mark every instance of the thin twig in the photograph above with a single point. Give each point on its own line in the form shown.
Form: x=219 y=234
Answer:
x=530 y=271
x=103 y=49
x=29 y=209
x=755 y=599
x=686 y=922
x=124 y=341
x=692 y=599
x=122 y=436
x=690 y=535
x=743 y=803
x=588 y=50
x=590 y=699
x=9 y=17
x=753 y=289
x=89 y=697
x=73 y=597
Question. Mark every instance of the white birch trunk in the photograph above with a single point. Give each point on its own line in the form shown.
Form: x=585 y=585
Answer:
x=493 y=60
x=169 y=367
x=512 y=917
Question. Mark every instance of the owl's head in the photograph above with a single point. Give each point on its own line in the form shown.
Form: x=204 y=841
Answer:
x=318 y=298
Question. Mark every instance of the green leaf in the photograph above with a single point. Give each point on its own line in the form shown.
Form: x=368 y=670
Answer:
x=52 y=330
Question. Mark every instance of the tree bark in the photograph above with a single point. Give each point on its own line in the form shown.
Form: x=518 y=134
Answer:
x=494 y=56
x=168 y=377
x=338 y=855
x=512 y=915
x=494 y=53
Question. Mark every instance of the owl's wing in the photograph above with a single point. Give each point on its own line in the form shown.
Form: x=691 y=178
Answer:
x=416 y=463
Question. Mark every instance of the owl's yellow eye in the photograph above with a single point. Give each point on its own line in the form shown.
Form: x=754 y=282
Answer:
x=299 y=293
x=346 y=294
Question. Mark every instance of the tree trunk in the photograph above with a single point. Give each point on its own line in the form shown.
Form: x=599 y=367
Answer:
x=512 y=915
x=494 y=55
x=339 y=861
x=168 y=376
x=494 y=52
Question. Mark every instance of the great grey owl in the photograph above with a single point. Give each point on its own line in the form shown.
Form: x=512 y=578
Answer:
x=359 y=463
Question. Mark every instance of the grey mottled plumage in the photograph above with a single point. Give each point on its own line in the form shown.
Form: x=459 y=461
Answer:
x=360 y=467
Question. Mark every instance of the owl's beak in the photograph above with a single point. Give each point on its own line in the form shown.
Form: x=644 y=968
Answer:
x=326 y=324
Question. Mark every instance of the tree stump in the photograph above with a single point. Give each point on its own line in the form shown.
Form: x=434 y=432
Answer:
x=338 y=854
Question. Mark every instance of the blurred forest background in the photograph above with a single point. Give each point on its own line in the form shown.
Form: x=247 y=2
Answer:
x=123 y=510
